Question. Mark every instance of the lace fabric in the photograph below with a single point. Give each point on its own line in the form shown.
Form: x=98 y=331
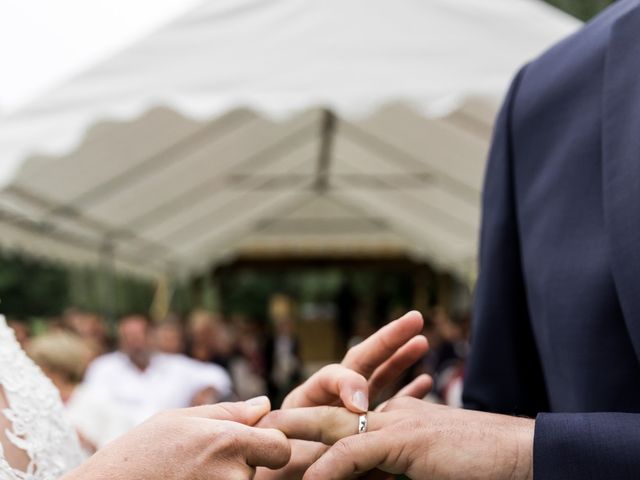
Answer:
x=39 y=425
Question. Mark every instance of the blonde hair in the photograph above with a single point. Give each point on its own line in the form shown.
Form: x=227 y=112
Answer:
x=63 y=353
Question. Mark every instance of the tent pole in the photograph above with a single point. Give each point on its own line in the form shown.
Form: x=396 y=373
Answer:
x=110 y=290
x=327 y=134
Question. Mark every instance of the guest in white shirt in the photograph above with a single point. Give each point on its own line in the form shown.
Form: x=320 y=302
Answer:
x=144 y=382
x=63 y=357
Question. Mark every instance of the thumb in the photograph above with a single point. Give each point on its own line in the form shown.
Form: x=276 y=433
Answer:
x=248 y=413
x=329 y=384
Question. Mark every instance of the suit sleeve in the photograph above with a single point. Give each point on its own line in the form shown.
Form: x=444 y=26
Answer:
x=503 y=374
x=589 y=446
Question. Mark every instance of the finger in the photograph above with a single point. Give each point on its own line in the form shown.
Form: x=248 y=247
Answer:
x=268 y=448
x=303 y=455
x=257 y=447
x=319 y=424
x=331 y=383
x=418 y=388
x=353 y=455
x=365 y=357
x=248 y=412
x=391 y=370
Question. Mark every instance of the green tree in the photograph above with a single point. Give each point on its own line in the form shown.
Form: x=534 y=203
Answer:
x=36 y=288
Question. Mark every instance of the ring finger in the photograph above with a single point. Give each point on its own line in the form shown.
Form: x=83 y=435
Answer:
x=321 y=424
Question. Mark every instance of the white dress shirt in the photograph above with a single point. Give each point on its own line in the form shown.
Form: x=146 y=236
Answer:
x=96 y=417
x=170 y=381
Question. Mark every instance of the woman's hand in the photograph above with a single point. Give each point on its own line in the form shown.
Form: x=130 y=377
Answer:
x=216 y=442
x=416 y=438
x=367 y=370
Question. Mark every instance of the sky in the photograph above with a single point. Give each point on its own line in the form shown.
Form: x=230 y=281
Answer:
x=44 y=42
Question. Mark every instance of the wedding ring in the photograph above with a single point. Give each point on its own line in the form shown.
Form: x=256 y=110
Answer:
x=363 y=423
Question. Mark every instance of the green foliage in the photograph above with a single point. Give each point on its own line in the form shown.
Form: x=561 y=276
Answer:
x=33 y=288
x=248 y=291
x=583 y=9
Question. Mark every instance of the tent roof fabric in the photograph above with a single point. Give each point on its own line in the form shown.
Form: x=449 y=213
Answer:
x=258 y=126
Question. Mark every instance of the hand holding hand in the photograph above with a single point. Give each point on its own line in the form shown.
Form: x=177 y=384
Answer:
x=216 y=442
x=367 y=369
x=416 y=438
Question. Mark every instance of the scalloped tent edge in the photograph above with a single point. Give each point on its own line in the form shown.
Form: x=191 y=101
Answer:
x=293 y=127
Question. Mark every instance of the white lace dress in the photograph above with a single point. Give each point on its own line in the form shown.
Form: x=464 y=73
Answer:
x=39 y=426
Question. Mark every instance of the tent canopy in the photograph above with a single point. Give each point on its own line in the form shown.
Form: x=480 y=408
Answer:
x=271 y=127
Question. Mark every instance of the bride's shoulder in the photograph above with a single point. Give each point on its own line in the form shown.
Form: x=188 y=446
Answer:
x=7 y=335
x=12 y=357
x=35 y=412
x=5 y=330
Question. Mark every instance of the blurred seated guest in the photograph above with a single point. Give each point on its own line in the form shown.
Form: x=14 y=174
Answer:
x=247 y=365
x=209 y=338
x=169 y=336
x=21 y=330
x=201 y=333
x=143 y=381
x=90 y=327
x=282 y=351
x=63 y=357
x=450 y=385
x=445 y=359
x=346 y=302
x=225 y=343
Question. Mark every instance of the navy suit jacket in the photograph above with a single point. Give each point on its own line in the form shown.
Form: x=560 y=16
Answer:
x=557 y=313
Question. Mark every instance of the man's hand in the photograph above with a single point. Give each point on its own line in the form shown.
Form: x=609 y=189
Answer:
x=416 y=438
x=368 y=369
x=217 y=442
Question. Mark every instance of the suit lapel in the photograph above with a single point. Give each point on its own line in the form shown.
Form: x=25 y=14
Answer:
x=621 y=164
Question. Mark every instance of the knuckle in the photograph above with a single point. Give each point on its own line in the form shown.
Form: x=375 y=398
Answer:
x=225 y=438
x=331 y=368
x=346 y=374
x=233 y=440
x=277 y=442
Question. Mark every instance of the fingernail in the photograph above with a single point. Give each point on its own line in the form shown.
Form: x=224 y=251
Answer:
x=360 y=400
x=258 y=401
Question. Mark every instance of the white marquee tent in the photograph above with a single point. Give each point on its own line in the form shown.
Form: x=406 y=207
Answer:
x=271 y=127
